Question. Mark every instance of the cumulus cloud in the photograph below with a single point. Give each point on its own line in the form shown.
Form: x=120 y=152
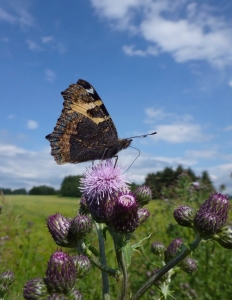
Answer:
x=230 y=83
x=228 y=128
x=32 y=45
x=50 y=75
x=188 y=31
x=23 y=168
x=31 y=124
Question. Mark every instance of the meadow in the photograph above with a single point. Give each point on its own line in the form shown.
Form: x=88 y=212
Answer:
x=26 y=246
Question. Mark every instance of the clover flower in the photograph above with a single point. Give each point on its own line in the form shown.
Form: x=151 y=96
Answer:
x=102 y=180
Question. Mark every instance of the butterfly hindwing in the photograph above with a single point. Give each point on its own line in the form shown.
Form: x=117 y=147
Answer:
x=85 y=130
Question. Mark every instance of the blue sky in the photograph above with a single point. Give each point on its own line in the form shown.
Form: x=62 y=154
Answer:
x=158 y=65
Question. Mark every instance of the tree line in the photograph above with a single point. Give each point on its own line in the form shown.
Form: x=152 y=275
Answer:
x=158 y=182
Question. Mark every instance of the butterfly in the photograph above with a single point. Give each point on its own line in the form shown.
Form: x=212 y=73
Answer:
x=85 y=130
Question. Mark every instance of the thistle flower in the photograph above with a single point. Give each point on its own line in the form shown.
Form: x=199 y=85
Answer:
x=184 y=215
x=57 y=297
x=188 y=265
x=75 y=295
x=59 y=228
x=101 y=181
x=6 y=279
x=82 y=264
x=61 y=273
x=224 y=237
x=80 y=226
x=212 y=215
x=172 y=249
x=143 y=215
x=35 y=289
x=124 y=218
x=143 y=195
x=158 y=248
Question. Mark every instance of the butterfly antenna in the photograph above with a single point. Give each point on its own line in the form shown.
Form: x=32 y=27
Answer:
x=134 y=159
x=142 y=136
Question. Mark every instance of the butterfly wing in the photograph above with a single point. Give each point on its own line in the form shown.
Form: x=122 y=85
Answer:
x=85 y=130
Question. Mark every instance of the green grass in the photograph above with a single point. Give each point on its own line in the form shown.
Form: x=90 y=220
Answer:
x=30 y=245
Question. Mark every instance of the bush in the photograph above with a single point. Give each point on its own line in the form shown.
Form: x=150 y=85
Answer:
x=42 y=190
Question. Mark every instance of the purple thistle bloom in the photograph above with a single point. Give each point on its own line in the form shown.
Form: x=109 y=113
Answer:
x=173 y=249
x=61 y=273
x=101 y=181
x=80 y=226
x=124 y=217
x=212 y=215
x=35 y=289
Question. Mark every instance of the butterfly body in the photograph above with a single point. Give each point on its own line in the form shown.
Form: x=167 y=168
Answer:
x=85 y=130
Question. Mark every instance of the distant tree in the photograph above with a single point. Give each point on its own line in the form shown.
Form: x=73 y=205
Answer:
x=133 y=186
x=19 y=192
x=70 y=186
x=6 y=191
x=222 y=187
x=206 y=181
x=42 y=190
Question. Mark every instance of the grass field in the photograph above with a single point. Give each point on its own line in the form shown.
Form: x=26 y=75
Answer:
x=29 y=246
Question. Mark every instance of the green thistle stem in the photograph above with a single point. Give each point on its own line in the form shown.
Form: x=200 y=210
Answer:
x=178 y=258
x=105 y=278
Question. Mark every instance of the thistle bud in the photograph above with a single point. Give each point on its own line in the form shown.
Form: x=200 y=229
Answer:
x=188 y=265
x=224 y=237
x=158 y=248
x=6 y=279
x=35 y=289
x=82 y=264
x=84 y=208
x=80 y=226
x=59 y=228
x=57 y=297
x=172 y=249
x=61 y=273
x=124 y=218
x=75 y=295
x=143 y=195
x=143 y=215
x=184 y=215
x=212 y=215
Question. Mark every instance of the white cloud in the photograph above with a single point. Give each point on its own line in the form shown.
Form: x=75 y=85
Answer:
x=228 y=128
x=31 y=124
x=32 y=45
x=10 y=117
x=47 y=39
x=230 y=83
x=131 y=51
x=23 y=168
x=16 y=12
x=50 y=75
x=181 y=133
x=188 y=31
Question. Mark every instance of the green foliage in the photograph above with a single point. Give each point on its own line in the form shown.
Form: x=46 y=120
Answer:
x=70 y=186
x=7 y=191
x=164 y=183
x=42 y=190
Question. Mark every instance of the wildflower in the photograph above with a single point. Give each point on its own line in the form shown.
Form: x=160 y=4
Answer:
x=101 y=181
x=224 y=237
x=212 y=215
x=61 y=273
x=6 y=279
x=143 y=195
x=184 y=215
x=35 y=289
x=82 y=264
x=158 y=248
x=188 y=265
x=143 y=215
x=59 y=228
x=173 y=249
x=80 y=226
x=124 y=218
